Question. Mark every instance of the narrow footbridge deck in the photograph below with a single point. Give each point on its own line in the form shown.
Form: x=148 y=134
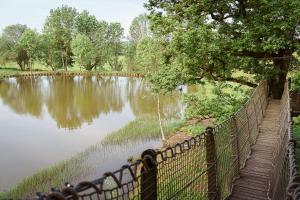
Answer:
x=255 y=177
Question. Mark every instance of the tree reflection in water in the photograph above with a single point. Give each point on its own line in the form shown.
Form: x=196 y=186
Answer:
x=72 y=101
x=23 y=96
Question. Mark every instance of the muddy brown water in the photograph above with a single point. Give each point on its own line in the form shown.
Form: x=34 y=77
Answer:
x=45 y=120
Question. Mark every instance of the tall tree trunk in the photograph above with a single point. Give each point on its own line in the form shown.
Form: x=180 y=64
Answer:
x=277 y=81
x=63 y=62
x=20 y=65
x=159 y=119
x=30 y=64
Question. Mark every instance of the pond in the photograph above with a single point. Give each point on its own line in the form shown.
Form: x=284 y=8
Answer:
x=46 y=120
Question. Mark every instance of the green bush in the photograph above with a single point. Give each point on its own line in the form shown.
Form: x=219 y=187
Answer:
x=295 y=85
x=296 y=120
x=296 y=134
x=224 y=100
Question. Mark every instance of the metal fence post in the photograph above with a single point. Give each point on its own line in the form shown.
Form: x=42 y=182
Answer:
x=149 y=175
x=211 y=164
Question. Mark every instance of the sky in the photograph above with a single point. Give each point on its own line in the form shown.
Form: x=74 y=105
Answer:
x=34 y=12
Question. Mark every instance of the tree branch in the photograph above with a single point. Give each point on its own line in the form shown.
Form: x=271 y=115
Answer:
x=254 y=54
x=241 y=81
x=235 y=80
x=242 y=10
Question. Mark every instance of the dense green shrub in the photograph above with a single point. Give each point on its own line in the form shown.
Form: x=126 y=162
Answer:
x=295 y=86
x=224 y=100
x=296 y=135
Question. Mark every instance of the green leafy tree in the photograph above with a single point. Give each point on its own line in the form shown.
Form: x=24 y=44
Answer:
x=48 y=52
x=97 y=34
x=84 y=51
x=29 y=42
x=150 y=57
x=114 y=45
x=295 y=82
x=61 y=25
x=139 y=30
x=215 y=39
x=102 y=43
x=130 y=56
x=224 y=100
x=12 y=33
x=5 y=54
x=9 y=39
x=86 y=24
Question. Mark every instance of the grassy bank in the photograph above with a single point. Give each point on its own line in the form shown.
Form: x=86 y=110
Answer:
x=146 y=127
x=8 y=71
x=75 y=168
x=46 y=178
x=11 y=69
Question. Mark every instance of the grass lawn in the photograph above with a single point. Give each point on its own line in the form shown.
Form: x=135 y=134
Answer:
x=13 y=69
x=146 y=127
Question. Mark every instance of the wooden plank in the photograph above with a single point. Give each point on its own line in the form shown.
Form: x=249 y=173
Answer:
x=254 y=178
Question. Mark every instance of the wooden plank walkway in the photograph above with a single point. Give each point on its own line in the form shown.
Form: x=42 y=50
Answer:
x=254 y=178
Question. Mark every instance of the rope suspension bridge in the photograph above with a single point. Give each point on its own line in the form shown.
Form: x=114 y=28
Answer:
x=251 y=155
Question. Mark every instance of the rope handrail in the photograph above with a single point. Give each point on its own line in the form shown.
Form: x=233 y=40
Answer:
x=293 y=189
x=285 y=183
x=203 y=167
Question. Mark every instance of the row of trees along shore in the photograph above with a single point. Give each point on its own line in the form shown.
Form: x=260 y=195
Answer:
x=189 y=41
x=70 y=37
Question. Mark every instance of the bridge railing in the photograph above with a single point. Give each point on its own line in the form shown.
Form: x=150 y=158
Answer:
x=285 y=182
x=203 y=167
x=295 y=102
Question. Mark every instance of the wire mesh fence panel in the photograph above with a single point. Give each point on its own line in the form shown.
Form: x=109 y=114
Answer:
x=285 y=182
x=243 y=135
x=251 y=120
x=258 y=109
x=182 y=171
x=226 y=160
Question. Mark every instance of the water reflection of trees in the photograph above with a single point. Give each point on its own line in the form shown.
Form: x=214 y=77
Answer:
x=143 y=101
x=23 y=96
x=72 y=101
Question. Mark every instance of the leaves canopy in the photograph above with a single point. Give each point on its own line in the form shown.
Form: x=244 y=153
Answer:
x=48 y=52
x=84 y=51
x=92 y=40
x=60 y=24
x=8 y=45
x=29 y=41
x=115 y=34
x=139 y=28
x=214 y=39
